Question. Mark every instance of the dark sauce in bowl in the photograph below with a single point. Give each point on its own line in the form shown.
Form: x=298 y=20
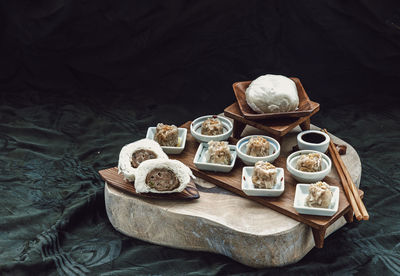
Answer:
x=313 y=137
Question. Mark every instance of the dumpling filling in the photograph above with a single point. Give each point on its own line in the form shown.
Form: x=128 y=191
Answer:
x=212 y=126
x=309 y=162
x=142 y=155
x=218 y=153
x=258 y=147
x=162 y=180
x=320 y=195
x=264 y=175
x=166 y=135
x=162 y=176
x=133 y=154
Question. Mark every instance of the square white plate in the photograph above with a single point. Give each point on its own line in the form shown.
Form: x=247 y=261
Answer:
x=201 y=163
x=300 y=198
x=248 y=186
x=151 y=131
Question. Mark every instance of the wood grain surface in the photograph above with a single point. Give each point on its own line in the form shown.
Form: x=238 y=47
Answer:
x=112 y=177
x=306 y=106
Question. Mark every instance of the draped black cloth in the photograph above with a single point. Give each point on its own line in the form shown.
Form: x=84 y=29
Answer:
x=79 y=79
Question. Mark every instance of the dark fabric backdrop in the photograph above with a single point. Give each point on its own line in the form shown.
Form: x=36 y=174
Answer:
x=79 y=79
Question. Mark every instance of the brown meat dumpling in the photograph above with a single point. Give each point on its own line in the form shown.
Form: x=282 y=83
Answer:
x=162 y=180
x=162 y=176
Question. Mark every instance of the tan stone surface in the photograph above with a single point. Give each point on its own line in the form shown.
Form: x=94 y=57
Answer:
x=222 y=222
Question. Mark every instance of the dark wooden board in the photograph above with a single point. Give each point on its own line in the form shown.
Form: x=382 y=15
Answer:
x=283 y=204
x=306 y=106
x=117 y=180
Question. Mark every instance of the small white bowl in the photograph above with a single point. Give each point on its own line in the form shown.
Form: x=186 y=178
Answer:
x=274 y=150
x=300 y=199
x=195 y=129
x=308 y=177
x=304 y=145
x=151 y=132
x=200 y=160
x=248 y=186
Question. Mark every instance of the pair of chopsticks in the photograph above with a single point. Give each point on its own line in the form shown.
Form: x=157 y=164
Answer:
x=350 y=189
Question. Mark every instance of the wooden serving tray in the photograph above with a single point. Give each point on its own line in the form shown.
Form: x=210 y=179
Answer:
x=277 y=127
x=283 y=204
x=306 y=106
x=112 y=177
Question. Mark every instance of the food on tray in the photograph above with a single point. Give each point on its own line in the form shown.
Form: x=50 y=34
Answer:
x=212 y=126
x=162 y=176
x=133 y=154
x=320 y=195
x=166 y=135
x=309 y=162
x=264 y=175
x=258 y=147
x=218 y=152
x=272 y=93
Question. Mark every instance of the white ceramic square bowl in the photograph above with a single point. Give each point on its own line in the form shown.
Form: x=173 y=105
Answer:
x=201 y=163
x=151 y=132
x=248 y=186
x=300 y=198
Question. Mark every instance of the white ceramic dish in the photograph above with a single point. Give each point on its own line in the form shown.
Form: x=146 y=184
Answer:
x=274 y=150
x=304 y=145
x=195 y=129
x=300 y=198
x=248 y=186
x=201 y=163
x=151 y=131
x=308 y=177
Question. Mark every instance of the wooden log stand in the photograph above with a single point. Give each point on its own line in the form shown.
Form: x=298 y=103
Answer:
x=223 y=222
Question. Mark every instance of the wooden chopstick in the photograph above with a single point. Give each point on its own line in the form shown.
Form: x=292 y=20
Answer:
x=350 y=183
x=346 y=188
x=343 y=179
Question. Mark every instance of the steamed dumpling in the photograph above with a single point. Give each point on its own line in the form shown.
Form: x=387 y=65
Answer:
x=320 y=195
x=218 y=152
x=264 y=175
x=309 y=162
x=133 y=154
x=162 y=176
x=272 y=93
x=257 y=146
x=212 y=126
x=166 y=135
